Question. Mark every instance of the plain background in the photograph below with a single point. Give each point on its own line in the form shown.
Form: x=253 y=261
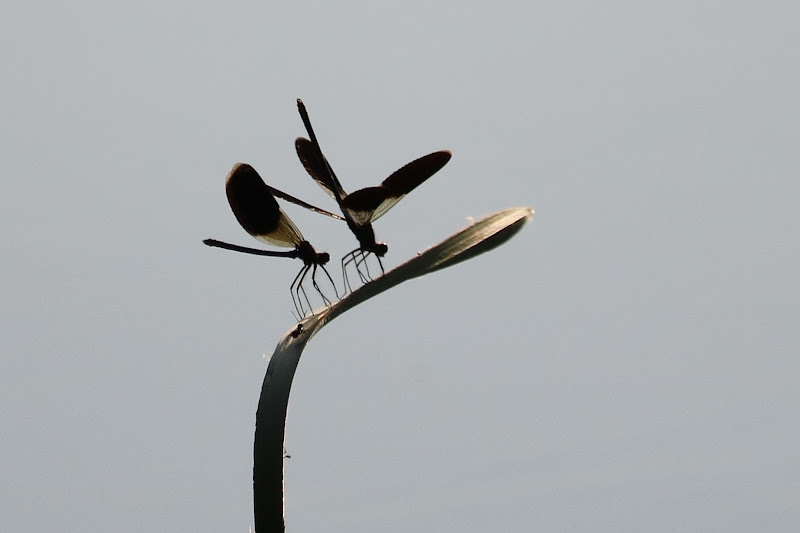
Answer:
x=627 y=363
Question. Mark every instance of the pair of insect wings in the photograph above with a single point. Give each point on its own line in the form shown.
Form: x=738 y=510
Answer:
x=266 y=221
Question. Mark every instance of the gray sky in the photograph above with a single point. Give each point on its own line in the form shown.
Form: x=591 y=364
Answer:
x=627 y=363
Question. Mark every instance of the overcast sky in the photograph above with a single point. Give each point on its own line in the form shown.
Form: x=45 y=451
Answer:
x=628 y=362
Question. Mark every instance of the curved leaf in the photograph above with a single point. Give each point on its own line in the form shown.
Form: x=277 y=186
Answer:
x=473 y=240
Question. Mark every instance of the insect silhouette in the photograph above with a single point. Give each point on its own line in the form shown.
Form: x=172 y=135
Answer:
x=254 y=206
x=363 y=207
